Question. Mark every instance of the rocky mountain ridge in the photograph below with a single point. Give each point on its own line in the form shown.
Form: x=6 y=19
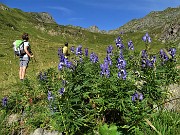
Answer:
x=167 y=22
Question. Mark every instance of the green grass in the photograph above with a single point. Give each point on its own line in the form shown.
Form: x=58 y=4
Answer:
x=166 y=122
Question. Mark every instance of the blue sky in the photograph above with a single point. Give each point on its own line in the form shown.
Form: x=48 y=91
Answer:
x=106 y=14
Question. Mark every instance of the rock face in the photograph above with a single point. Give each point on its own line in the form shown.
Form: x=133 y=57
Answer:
x=3 y=7
x=43 y=17
x=174 y=99
x=94 y=29
x=171 y=32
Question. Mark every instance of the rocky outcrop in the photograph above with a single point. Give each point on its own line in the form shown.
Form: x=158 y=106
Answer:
x=42 y=17
x=93 y=29
x=40 y=131
x=171 y=32
x=3 y=7
x=173 y=98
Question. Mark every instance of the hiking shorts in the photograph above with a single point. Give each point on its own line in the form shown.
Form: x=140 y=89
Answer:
x=24 y=63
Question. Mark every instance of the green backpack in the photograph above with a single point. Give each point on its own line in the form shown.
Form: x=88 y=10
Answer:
x=18 y=47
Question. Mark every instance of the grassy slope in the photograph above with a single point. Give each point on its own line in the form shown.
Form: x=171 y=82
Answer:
x=14 y=22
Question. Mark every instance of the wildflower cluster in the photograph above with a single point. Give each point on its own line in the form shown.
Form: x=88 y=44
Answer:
x=147 y=61
x=64 y=62
x=167 y=55
x=93 y=58
x=137 y=96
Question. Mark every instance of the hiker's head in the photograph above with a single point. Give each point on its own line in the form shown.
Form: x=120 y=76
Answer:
x=25 y=36
x=66 y=44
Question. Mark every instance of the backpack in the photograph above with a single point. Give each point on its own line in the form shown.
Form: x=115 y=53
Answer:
x=18 y=47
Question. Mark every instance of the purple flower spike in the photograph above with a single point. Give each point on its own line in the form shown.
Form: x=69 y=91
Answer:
x=122 y=74
x=72 y=49
x=86 y=51
x=137 y=96
x=60 y=66
x=94 y=58
x=146 y=38
x=140 y=96
x=130 y=45
x=59 y=52
x=79 y=50
x=61 y=91
x=4 y=101
x=109 y=49
x=50 y=97
x=172 y=52
x=133 y=98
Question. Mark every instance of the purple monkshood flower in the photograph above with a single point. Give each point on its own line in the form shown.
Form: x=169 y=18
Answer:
x=64 y=62
x=72 y=49
x=119 y=43
x=134 y=97
x=144 y=54
x=69 y=64
x=122 y=74
x=140 y=96
x=172 y=52
x=153 y=59
x=86 y=52
x=59 y=52
x=105 y=69
x=121 y=55
x=94 y=58
x=143 y=62
x=61 y=91
x=130 y=45
x=108 y=60
x=137 y=96
x=4 y=101
x=50 y=97
x=109 y=49
x=42 y=76
x=61 y=58
x=163 y=55
x=60 y=66
x=121 y=63
x=79 y=50
x=118 y=40
x=146 y=38
x=148 y=62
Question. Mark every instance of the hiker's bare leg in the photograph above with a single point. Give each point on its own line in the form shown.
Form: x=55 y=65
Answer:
x=22 y=72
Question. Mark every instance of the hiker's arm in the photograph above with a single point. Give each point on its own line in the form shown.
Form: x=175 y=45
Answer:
x=27 y=52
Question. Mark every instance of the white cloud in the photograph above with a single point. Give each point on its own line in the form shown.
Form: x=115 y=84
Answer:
x=63 y=9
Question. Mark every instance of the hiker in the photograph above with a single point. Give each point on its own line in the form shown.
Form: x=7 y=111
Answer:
x=65 y=50
x=24 y=59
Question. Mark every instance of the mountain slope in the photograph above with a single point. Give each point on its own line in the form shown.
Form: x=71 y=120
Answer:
x=165 y=24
